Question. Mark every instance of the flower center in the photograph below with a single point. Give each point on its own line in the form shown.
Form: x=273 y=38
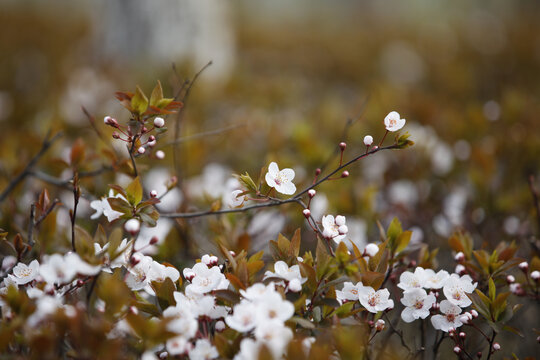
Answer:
x=25 y=272
x=373 y=300
x=450 y=317
x=419 y=304
x=457 y=295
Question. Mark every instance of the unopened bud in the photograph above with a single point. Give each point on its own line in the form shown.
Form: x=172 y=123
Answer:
x=317 y=172
x=214 y=260
x=375 y=147
x=460 y=269
x=115 y=135
x=189 y=274
x=510 y=279
x=524 y=266
x=154 y=240
x=134 y=260
x=459 y=257
x=379 y=325
x=307 y=213
x=132 y=226
x=144 y=130
x=220 y=326
x=151 y=138
x=342 y=146
x=457 y=349
x=371 y=323
x=151 y=143
x=110 y=121
x=343 y=229
x=371 y=249
x=141 y=150
x=496 y=346
x=345 y=174
x=462 y=335
x=232 y=253
x=295 y=285
x=153 y=193
x=80 y=283
x=535 y=275
x=479 y=354
x=159 y=122
x=368 y=140
x=474 y=313
x=160 y=155
x=133 y=310
x=163 y=355
x=311 y=193
x=205 y=259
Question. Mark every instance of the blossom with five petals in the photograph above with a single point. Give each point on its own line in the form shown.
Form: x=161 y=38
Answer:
x=281 y=180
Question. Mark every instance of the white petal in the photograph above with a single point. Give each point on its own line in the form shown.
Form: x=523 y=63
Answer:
x=273 y=169
x=288 y=174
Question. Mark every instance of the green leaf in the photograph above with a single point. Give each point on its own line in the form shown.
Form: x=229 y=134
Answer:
x=247 y=182
x=139 y=102
x=306 y=324
x=402 y=141
x=157 y=94
x=294 y=248
x=403 y=241
x=134 y=192
x=492 y=289
x=393 y=232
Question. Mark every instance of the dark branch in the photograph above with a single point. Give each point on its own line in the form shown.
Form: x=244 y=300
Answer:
x=47 y=143
x=277 y=202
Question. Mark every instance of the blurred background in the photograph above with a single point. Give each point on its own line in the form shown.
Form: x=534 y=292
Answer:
x=288 y=82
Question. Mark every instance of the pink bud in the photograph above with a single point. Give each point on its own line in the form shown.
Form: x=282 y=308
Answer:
x=379 y=325
x=524 y=266
x=160 y=155
x=110 y=121
x=159 y=122
x=144 y=130
x=496 y=346
x=311 y=193
x=462 y=335
x=154 y=240
x=133 y=310
x=342 y=146
x=535 y=275
x=510 y=279
x=345 y=174
x=368 y=140
x=151 y=138
x=459 y=257
x=115 y=135
x=153 y=193
x=474 y=313
x=306 y=212
x=141 y=150
x=132 y=226
x=220 y=326
x=317 y=172
x=457 y=349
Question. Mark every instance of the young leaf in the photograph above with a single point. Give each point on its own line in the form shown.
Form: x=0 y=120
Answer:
x=134 y=192
x=139 y=102
x=157 y=94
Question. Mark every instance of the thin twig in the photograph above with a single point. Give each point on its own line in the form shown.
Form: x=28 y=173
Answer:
x=277 y=202
x=130 y=150
x=73 y=214
x=490 y=350
x=31 y=224
x=47 y=143
x=47 y=212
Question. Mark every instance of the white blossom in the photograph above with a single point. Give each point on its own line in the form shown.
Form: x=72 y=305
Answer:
x=456 y=289
x=281 y=180
x=102 y=207
x=283 y=271
x=207 y=279
x=243 y=318
x=410 y=280
x=374 y=301
x=203 y=350
x=393 y=121
x=23 y=274
x=434 y=280
x=449 y=319
x=334 y=228
x=349 y=292
x=417 y=304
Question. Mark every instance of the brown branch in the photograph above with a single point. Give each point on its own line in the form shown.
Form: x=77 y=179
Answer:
x=278 y=202
x=47 y=212
x=31 y=225
x=47 y=143
x=73 y=214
